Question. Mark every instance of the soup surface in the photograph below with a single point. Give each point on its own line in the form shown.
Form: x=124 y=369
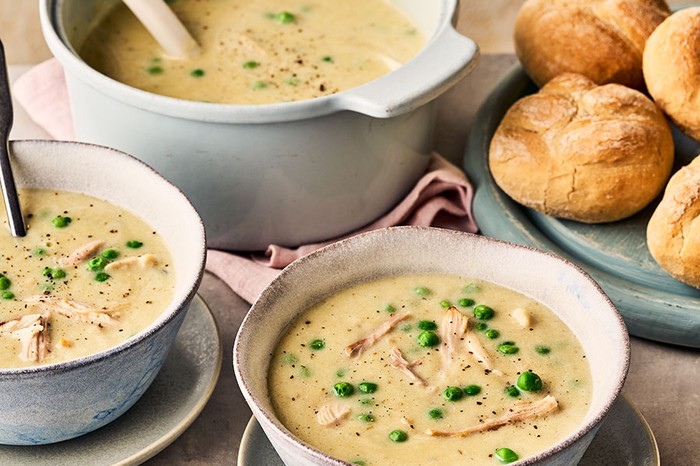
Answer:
x=255 y=52
x=429 y=370
x=87 y=276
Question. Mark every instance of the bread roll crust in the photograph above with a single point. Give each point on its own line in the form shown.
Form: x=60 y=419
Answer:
x=601 y=39
x=673 y=232
x=583 y=152
x=672 y=69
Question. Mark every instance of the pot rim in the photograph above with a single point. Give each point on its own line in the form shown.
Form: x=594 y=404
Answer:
x=448 y=55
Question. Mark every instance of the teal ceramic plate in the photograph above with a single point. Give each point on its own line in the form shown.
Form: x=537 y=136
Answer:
x=654 y=305
x=623 y=438
x=169 y=406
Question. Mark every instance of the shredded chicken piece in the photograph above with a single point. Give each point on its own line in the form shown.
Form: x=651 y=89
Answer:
x=519 y=412
x=81 y=253
x=452 y=332
x=332 y=413
x=398 y=361
x=455 y=332
x=73 y=309
x=143 y=261
x=33 y=333
x=522 y=317
x=357 y=348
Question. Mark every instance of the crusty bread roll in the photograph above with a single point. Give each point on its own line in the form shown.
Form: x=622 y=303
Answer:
x=601 y=39
x=583 y=152
x=673 y=232
x=672 y=69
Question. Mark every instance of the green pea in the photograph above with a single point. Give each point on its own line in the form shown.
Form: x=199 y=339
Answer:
x=366 y=417
x=5 y=282
x=154 y=70
x=428 y=338
x=422 y=291
x=57 y=274
x=40 y=252
x=398 y=436
x=134 y=244
x=340 y=373
x=250 y=65
x=481 y=326
x=436 y=413
x=359 y=463
x=367 y=387
x=512 y=391
x=289 y=359
x=427 y=325
x=292 y=81
x=8 y=295
x=197 y=73
x=508 y=347
x=542 y=349
x=317 y=344
x=472 y=390
x=343 y=389
x=97 y=263
x=285 y=17
x=506 y=455
x=492 y=333
x=483 y=312
x=445 y=303
x=365 y=401
x=259 y=85
x=470 y=288
x=327 y=59
x=389 y=308
x=61 y=222
x=110 y=253
x=466 y=302
x=304 y=371
x=529 y=381
x=101 y=276
x=453 y=393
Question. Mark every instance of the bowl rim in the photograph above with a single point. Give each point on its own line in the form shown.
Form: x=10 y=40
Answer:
x=458 y=56
x=168 y=314
x=269 y=420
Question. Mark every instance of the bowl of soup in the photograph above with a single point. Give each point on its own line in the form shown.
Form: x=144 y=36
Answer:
x=414 y=345
x=298 y=121
x=94 y=294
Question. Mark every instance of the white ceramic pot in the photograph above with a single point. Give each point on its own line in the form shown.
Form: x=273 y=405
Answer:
x=55 y=402
x=287 y=173
x=563 y=287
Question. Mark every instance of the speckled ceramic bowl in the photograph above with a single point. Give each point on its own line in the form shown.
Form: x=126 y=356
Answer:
x=50 y=403
x=557 y=283
x=287 y=173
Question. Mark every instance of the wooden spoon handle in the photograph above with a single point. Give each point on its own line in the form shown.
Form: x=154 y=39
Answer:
x=165 y=27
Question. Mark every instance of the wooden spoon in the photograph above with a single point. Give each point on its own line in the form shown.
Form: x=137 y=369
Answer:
x=165 y=27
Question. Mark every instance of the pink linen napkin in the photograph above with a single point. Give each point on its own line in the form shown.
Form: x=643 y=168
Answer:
x=441 y=198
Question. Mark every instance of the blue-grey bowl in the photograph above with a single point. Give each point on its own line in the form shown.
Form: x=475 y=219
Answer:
x=51 y=403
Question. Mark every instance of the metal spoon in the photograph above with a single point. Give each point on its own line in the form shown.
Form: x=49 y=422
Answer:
x=7 y=181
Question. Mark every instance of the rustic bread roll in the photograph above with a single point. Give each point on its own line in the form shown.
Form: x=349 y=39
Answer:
x=673 y=232
x=672 y=69
x=601 y=39
x=583 y=152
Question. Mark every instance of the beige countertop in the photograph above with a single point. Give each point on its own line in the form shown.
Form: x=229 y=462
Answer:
x=663 y=379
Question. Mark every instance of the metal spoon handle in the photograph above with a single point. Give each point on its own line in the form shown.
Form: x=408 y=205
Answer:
x=7 y=180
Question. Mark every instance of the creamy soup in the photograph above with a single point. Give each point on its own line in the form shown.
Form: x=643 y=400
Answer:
x=430 y=370
x=87 y=276
x=255 y=52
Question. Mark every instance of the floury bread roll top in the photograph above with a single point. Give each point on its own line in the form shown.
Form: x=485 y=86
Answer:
x=673 y=232
x=583 y=152
x=672 y=69
x=601 y=39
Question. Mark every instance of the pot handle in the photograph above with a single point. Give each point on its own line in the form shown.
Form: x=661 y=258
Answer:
x=443 y=62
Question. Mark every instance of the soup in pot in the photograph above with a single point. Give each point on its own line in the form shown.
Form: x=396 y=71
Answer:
x=430 y=370
x=257 y=52
x=87 y=276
